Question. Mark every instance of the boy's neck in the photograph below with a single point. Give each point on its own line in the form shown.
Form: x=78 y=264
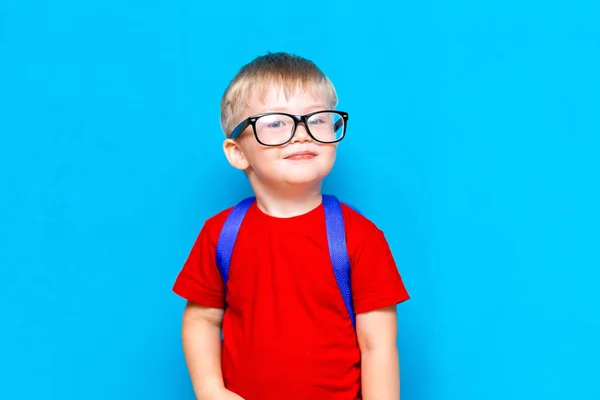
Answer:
x=288 y=202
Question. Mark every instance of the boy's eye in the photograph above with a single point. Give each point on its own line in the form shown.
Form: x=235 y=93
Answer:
x=275 y=124
x=322 y=118
x=316 y=121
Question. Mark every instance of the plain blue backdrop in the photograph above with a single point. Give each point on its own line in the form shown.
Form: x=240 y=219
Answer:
x=473 y=143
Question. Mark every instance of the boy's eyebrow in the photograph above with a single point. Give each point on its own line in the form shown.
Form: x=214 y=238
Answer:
x=311 y=107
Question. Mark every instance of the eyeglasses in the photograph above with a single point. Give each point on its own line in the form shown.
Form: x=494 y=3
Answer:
x=276 y=128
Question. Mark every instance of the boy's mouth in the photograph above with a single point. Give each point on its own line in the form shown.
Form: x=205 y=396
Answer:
x=301 y=155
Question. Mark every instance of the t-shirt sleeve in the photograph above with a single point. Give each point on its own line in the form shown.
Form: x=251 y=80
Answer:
x=199 y=280
x=376 y=282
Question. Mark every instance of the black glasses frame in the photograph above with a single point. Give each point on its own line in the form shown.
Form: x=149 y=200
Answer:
x=251 y=121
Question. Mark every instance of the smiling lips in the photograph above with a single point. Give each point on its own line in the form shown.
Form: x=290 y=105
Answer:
x=301 y=155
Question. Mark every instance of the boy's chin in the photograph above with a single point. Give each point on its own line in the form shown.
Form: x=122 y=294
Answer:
x=302 y=179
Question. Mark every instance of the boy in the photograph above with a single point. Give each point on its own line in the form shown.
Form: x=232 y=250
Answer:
x=286 y=331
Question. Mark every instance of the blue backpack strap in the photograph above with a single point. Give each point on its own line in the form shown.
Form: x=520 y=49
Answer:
x=336 y=239
x=228 y=236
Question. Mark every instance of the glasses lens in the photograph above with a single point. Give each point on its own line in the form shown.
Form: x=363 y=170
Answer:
x=274 y=129
x=327 y=126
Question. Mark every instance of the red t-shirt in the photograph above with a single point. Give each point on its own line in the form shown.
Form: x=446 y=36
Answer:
x=287 y=333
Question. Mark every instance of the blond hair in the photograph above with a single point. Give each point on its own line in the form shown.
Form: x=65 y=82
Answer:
x=254 y=80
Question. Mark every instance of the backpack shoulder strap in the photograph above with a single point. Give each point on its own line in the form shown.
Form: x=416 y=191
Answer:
x=228 y=235
x=336 y=239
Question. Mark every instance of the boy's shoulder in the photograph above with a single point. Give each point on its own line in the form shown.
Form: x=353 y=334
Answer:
x=355 y=220
x=358 y=227
x=214 y=223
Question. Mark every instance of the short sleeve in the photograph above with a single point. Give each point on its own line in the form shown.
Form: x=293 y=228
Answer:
x=376 y=282
x=199 y=280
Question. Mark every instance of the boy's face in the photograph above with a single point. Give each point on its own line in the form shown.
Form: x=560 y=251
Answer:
x=302 y=161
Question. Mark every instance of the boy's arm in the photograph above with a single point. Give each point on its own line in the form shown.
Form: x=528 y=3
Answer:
x=376 y=331
x=377 y=288
x=201 y=338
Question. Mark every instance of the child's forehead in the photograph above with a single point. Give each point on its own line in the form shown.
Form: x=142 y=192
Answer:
x=279 y=97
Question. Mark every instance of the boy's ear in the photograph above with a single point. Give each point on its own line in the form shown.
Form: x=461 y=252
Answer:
x=234 y=155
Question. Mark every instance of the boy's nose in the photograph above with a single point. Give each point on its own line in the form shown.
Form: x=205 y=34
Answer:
x=301 y=134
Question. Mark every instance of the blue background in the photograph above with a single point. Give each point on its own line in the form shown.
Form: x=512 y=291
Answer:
x=473 y=143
